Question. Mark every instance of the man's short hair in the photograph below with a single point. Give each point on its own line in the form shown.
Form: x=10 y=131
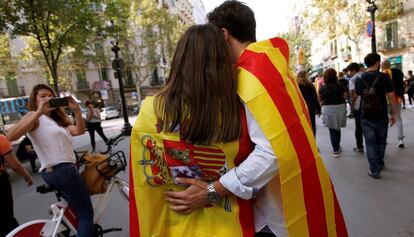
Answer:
x=353 y=67
x=237 y=18
x=371 y=59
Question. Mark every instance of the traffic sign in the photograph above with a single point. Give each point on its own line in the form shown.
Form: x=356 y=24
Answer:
x=370 y=28
x=118 y=63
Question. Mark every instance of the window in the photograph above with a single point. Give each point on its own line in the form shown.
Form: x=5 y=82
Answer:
x=391 y=35
x=12 y=87
x=128 y=80
x=104 y=74
x=81 y=78
x=334 y=49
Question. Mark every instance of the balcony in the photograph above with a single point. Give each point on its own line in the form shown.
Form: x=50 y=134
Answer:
x=83 y=86
x=391 y=45
x=12 y=92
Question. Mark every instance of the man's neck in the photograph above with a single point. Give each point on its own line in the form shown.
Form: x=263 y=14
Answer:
x=238 y=47
x=371 y=69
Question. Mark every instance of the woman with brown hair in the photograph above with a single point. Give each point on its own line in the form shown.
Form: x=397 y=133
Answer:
x=332 y=97
x=93 y=123
x=194 y=128
x=311 y=98
x=51 y=131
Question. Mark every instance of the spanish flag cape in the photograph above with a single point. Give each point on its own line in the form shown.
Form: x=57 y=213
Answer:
x=272 y=95
x=157 y=158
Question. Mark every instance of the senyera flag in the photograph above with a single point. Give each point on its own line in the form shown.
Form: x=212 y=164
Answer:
x=272 y=95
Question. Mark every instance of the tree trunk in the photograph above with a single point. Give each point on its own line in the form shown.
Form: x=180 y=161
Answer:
x=55 y=78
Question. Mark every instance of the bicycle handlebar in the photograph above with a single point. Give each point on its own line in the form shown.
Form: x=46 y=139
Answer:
x=113 y=141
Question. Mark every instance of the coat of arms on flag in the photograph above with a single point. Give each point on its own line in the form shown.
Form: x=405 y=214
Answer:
x=180 y=159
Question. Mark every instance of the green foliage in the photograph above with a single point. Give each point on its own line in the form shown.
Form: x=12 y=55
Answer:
x=8 y=64
x=58 y=26
x=158 y=31
x=296 y=40
x=389 y=9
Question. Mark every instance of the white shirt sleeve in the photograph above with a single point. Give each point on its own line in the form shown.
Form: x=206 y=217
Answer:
x=257 y=169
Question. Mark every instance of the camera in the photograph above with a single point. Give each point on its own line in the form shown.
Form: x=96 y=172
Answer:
x=59 y=102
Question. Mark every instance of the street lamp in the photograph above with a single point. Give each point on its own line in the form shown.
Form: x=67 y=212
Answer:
x=118 y=65
x=371 y=9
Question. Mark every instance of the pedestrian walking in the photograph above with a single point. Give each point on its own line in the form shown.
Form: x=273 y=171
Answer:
x=93 y=123
x=9 y=160
x=354 y=70
x=311 y=98
x=410 y=87
x=375 y=87
x=397 y=78
x=332 y=96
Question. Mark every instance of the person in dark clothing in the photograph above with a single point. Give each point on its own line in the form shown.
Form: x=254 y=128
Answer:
x=309 y=94
x=375 y=126
x=93 y=122
x=26 y=151
x=332 y=96
x=410 y=87
x=354 y=70
x=397 y=78
x=7 y=158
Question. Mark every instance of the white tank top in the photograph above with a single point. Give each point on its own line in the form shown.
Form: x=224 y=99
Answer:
x=53 y=144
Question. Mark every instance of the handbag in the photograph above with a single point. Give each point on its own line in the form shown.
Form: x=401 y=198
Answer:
x=94 y=181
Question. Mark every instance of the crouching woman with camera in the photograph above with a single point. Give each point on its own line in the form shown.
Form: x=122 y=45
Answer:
x=51 y=131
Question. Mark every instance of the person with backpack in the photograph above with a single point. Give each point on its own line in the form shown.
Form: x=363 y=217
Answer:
x=374 y=87
x=397 y=78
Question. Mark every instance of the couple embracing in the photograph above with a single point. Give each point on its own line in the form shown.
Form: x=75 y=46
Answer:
x=227 y=148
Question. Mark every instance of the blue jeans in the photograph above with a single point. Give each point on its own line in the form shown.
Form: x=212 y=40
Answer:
x=66 y=179
x=375 y=134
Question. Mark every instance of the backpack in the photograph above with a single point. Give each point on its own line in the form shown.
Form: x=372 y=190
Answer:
x=371 y=102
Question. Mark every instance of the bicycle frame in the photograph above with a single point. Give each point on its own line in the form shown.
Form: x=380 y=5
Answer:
x=102 y=201
x=61 y=213
x=64 y=219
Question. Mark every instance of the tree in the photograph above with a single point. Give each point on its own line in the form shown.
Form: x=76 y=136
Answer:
x=349 y=18
x=58 y=26
x=8 y=65
x=297 y=40
x=389 y=9
x=148 y=38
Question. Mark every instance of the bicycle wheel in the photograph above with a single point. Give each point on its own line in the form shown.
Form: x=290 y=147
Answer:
x=33 y=229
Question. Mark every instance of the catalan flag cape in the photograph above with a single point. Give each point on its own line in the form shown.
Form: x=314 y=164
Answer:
x=157 y=158
x=271 y=93
x=396 y=98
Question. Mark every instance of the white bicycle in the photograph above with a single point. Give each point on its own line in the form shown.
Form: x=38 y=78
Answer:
x=64 y=221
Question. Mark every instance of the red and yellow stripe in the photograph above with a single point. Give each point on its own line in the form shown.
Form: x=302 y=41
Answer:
x=271 y=94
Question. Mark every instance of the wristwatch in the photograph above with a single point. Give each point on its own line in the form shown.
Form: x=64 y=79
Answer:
x=212 y=195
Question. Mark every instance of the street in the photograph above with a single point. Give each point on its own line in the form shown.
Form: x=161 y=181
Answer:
x=381 y=208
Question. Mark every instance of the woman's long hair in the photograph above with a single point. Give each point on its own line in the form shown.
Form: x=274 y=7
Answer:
x=200 y=95
x=58 y=114
x=330 y=76
x=302 y=78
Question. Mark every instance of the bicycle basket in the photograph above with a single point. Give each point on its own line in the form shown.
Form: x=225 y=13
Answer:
x=112 y=165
